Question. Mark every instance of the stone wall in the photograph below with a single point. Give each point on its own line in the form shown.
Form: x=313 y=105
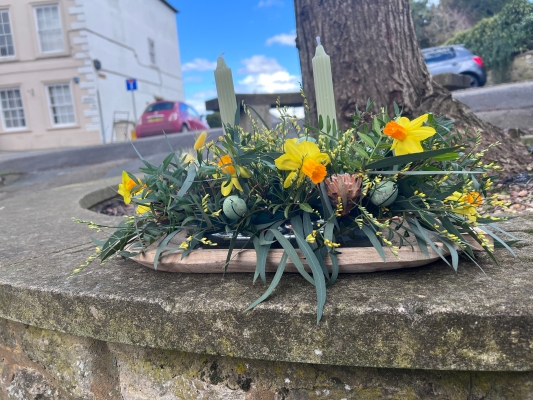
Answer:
x=42 y=364
x=521 y=69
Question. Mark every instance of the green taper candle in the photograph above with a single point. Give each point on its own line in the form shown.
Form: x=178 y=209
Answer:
x=325 y=99
x=227 y=102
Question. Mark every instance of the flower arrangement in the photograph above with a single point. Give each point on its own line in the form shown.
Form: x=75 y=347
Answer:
x=395 y=181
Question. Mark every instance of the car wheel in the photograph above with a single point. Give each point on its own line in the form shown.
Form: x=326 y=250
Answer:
x=184 y=128
x=474 y=80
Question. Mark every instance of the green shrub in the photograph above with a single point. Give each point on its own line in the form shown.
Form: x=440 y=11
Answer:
x=475 y=10
x=499 y=38
x=214 y=120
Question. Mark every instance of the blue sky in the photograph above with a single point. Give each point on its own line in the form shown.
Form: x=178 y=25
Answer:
x=256 y=37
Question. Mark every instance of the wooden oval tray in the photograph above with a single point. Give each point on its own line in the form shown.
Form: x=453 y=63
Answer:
x=351 y=260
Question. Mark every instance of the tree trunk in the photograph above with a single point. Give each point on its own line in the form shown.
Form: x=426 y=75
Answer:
x=374 y=54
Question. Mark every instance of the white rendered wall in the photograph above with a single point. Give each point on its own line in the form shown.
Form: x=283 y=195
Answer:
x=117 y=33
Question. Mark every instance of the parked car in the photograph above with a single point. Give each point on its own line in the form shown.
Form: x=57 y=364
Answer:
x=169 y=117
x=455 y=59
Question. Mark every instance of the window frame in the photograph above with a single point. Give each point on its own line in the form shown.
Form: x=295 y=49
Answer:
x=50 y=110
x=6 y=10
x=37 y=31
x=18 y=128
x=151 y=51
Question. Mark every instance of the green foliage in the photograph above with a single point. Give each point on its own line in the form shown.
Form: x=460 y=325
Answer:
x=499 y=38
x=422 y=14
x=436 y=24
x=214 y=120
x=475 y=10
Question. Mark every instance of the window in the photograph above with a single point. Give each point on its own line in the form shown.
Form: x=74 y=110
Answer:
x=151 y=50
x=6 y=37
x=193 y=112
x=160 y=106
x=61 y=106
x=12 y=108
x=49 y=29
x=438 y=54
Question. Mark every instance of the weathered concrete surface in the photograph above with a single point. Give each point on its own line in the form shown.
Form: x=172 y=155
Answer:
x=403 y=322
x=429 y=318
x=520 y=69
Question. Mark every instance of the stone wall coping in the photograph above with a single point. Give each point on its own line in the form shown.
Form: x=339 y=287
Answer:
x=425 y=318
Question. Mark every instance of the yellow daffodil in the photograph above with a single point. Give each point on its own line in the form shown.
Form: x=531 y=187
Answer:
x=302 y=159
x=200 y=141
x=408 y=134
x=226 y=165
x=124 y=188
x=465 y=204
x=141 y=209
x=188 y=158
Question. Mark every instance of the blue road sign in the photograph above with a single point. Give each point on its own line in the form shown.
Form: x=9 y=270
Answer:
x=131 y=84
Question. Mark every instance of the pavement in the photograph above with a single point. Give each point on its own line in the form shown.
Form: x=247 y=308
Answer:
x=22 y=173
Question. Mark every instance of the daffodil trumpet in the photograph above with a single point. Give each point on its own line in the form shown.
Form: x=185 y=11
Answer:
x=302 y=159
x=408 y=135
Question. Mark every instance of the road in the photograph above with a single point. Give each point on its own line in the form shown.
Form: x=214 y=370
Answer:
x=507 y=106
x=28 y=172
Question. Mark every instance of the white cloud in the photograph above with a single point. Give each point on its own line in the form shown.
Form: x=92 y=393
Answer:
x=284 y=39
x=268 y=3
x=280 y=81
x=199 y=64
x=194 y=79
x=197 y=100
x=260 y=64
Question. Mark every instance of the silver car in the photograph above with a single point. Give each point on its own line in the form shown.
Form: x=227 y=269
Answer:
x=455 y=59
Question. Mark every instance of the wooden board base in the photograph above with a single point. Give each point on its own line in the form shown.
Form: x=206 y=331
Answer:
x=351 y=260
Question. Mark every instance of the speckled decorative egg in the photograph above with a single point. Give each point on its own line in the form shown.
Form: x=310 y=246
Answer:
x=385 y=194
x=234 y=207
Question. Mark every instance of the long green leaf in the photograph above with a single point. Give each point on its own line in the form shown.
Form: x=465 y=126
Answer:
x=162 y=246
x=328 y=234
x=494 y=226
x=488 y=232
x=400 y=160
x=450 y=227
x=191 y=174
x=289 y=249
x=374 y=240
x=418 y=230
x=273 y=284
x=312 y=261
x=326 y=204
x=308 y=229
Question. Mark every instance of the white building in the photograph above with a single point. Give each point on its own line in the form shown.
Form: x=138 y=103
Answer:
x=52 y=96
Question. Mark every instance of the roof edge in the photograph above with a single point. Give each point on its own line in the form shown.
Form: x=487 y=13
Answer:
x=170 y=6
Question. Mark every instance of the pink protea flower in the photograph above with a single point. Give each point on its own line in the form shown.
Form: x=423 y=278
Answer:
x=345 y=187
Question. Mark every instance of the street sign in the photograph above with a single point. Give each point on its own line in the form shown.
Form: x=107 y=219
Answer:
x=131 y=84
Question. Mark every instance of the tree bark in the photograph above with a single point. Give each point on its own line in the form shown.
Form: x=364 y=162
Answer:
x=375 y=55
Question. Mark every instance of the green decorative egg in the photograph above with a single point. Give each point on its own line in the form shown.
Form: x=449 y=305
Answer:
x=306 y=139
x=384 y=194
x=234 y=207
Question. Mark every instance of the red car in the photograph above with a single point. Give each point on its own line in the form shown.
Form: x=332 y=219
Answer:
x=169 y=117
